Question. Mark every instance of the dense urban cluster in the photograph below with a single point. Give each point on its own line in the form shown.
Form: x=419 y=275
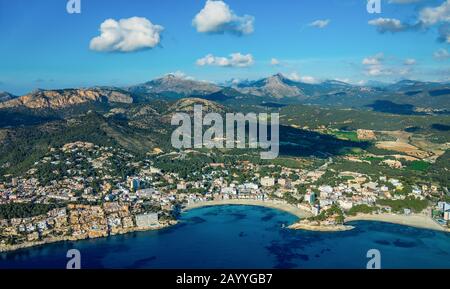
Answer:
x=82 y=190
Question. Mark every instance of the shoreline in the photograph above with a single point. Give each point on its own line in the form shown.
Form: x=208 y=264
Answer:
x=13 y=248
x=414 y=220
x=320 y=228
x=300 y=213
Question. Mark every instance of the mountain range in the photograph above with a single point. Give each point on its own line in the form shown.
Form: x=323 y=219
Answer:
x=5 y=96
x=273 y=89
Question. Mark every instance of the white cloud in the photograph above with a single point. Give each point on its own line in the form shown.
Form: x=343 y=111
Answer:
x=388 y=25
x=410 y=61
x=127 y=35
x=432 y=15
x=373 y=60
x=305 y=79
x=320 y=23
x=374 y=66
x=217 y=17
x=180 y=74
x=426 y=18
x=274 y=62
x=378 y=70
x=234 y=60
x=441 y=54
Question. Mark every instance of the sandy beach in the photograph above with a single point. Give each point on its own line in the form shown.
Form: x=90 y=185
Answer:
x=414 y=220
x=269 y=204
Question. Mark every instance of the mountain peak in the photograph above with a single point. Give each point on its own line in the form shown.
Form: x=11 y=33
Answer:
x=277 y=86
x=175 y=85
x=172 y=76
x=66 y=97
x=279 y=75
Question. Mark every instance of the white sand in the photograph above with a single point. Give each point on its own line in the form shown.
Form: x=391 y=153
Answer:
x=414 y=220
x=269 y=204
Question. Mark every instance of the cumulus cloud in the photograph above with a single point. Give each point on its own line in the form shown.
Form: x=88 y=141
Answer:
x=305 y=79
x=274 y=62
x=410 y=61
x=374 y=65
x=441 y=54
x=217 y=17
x=320 y=23
x=127 y=35
x=388 y=25
x=373 y=60
x=432 y=15
x=234 y=60
x=426 y=18
x=180 y=74
x=378 y=70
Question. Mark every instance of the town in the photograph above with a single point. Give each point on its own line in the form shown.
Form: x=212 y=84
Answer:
x=82 y=190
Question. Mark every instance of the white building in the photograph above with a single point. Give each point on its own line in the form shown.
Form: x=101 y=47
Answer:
x=346 y=205
x=181 y=186
x=147 y=220
x=228 y=191
x=146 y=193
x=443 y=206
x=315 y=210
x=267 y=182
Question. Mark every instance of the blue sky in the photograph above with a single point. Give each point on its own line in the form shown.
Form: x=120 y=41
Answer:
x=43 y=46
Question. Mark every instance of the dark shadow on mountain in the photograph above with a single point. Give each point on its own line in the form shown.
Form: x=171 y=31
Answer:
x=413 y=129
x=440 y=127
x=302 y=143
x=439 y=92
x=217 y=96
x=273 y=104
x=387 y=106
x=411 y=93
x=17 y=117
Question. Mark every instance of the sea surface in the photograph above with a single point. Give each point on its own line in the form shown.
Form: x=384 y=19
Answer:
x=239 y=237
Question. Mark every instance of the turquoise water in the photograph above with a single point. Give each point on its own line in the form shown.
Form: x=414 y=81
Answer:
x=241 y=237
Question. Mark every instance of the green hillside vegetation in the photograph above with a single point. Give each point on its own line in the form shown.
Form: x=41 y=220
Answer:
x=419 y=165
x=24 y=210
x=364 y=209
x=415 y=205
x=353 y=119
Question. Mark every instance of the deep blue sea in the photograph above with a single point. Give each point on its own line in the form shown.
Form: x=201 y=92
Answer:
x=246 y=237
